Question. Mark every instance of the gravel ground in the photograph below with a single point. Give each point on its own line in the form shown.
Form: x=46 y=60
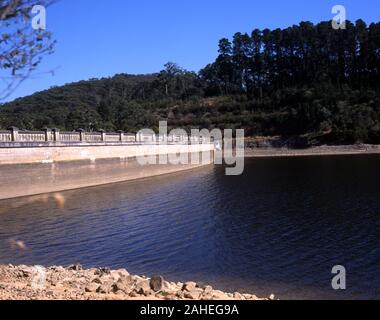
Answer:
x=75 y=283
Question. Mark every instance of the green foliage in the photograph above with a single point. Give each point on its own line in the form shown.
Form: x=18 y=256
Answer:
x=308 y=81
x=21 y=47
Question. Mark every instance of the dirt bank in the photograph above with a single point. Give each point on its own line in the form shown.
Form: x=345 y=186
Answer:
x=314 y=151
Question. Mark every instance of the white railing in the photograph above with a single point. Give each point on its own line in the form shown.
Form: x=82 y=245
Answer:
x=93 y=137
x=5 y=136
x=68 y=137
x=80 y=136
x=30 y=136
x=113 y=137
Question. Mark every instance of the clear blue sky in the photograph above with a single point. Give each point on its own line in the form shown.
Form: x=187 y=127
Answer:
x=101 y=38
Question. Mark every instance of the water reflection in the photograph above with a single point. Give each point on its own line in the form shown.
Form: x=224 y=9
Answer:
x=17 y=244
x=277 y=229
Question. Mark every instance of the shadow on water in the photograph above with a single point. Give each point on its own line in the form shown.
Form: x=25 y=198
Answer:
x=279 y=228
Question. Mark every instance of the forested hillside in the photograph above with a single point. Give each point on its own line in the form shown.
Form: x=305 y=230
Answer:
x=305 y=80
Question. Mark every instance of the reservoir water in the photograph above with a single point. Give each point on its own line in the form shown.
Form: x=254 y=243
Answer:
x=279 y=228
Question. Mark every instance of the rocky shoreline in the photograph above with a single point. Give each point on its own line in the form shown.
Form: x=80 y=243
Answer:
x=75 y=283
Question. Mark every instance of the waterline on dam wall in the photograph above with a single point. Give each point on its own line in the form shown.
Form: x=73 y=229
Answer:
x=18 y=180
x=48 y=154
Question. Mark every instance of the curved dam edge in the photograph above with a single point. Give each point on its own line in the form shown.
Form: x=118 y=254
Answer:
x=49 y=154
x=63 y=173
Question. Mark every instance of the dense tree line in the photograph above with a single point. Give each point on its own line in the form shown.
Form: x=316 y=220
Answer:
x=300 y=56
x=306 y=80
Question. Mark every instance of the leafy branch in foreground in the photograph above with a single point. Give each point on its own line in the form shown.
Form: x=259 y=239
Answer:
x=21 y=46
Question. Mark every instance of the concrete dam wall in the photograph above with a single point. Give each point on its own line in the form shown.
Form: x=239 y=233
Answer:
x=36 y=169
x=50 y=154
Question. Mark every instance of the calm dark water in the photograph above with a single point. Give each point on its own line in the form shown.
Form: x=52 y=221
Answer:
x=279 y=228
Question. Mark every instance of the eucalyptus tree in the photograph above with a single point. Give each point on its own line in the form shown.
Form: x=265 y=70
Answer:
x=21 y=46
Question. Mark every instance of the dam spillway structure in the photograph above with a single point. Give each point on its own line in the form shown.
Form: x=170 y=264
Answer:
x=46 y=161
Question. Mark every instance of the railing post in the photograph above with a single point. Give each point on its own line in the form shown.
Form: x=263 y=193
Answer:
x=121 y=135
x=56 y=135
x=81 y=134
x=14 y=133
x=102 y=135
x=47 y=132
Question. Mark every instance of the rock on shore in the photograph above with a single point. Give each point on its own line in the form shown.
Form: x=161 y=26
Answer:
x=75 y=283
